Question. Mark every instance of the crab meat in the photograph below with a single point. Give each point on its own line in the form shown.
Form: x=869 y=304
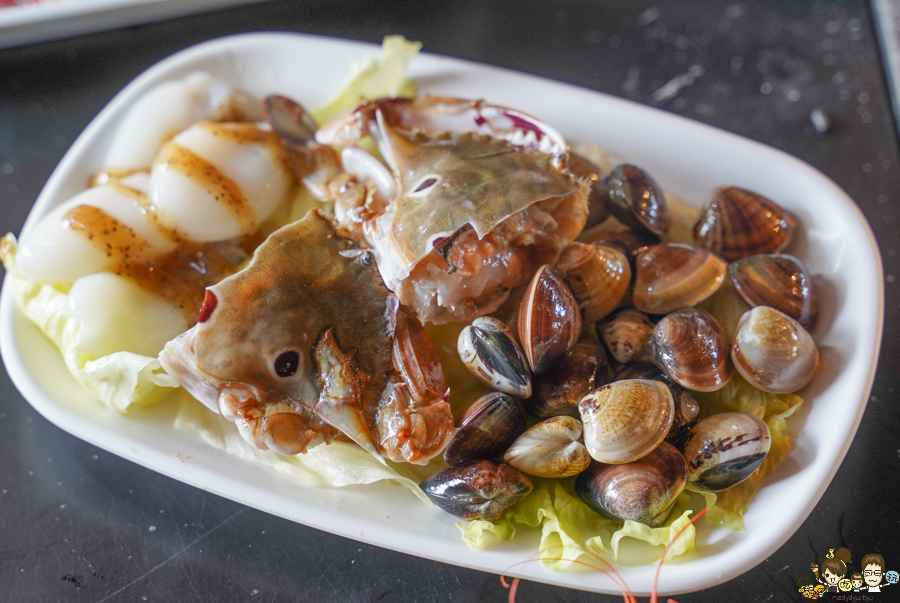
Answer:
x=482 y=197
x=298 y=348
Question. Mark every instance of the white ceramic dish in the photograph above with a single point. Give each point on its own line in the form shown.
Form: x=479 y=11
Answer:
x=50 y=19
x=689 y=158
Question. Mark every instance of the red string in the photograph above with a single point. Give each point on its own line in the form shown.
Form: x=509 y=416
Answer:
x=627 y=595
x=653 y=598
x=512 y=591
x=626 y=592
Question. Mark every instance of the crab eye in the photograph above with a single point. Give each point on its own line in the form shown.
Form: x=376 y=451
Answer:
x=209 y=305
x=425 y=184
x=367 y=258
x=286 y=363
x=363 y=256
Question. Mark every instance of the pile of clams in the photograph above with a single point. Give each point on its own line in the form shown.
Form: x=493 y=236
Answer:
x=616 y=412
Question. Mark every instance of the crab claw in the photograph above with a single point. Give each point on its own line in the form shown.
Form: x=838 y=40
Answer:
x=339 y=401
x=411 y=431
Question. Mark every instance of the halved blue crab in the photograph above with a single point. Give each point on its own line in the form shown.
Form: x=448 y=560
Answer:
x=473 y=200
x=306 y=344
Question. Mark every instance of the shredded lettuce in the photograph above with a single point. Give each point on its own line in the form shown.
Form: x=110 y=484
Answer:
x=572 y=533
x=120 y=380
x=374 y=78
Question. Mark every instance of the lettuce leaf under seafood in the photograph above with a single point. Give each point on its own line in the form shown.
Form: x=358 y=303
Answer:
x=120 y=380
x=325 y=466
x=124 y=380
x=385 y=76
x=573 y=534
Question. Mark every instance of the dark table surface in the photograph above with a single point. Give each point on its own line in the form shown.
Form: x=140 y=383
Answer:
x=74 y=519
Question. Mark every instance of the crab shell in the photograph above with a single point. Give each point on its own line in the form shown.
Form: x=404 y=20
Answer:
x=482 y=198
x=295 y=348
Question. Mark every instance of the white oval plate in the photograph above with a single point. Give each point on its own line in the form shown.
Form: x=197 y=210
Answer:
x=688 y=158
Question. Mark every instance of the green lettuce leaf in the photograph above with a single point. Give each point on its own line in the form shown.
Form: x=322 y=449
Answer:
x=120 y=380
x=727 y=306
x=573 y=534
x=325 y=466
x=374 y=78
x=679 y=518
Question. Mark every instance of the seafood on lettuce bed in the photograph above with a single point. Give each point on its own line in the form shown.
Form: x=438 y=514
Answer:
x=306 y=343
x=441 y=211
x=668 y=424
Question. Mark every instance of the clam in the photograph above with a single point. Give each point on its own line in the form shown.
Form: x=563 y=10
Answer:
x=550 y=449
x=635 y=199
x=692 y=349
x=626 y=241
x=687 y=412
x=737 y=223
x=644 y=490
x=625 y=420
x=585 y=168
x=773 y=352
x=479 y=489
x=415 y=356
x=639 y=370
x=487 y=428
x=625 y=333
x=687 y=409
x=673 y=275
x=598 y=277
x=549 y=319
x=559 y=390
x=488 y=349
x=724 y=449
x=777 y=280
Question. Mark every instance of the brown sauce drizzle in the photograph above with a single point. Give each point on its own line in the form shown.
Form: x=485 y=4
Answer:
x=181 y=275
x=222 y=188
x=153 y=217
x=248 y=133
x=109 y=235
